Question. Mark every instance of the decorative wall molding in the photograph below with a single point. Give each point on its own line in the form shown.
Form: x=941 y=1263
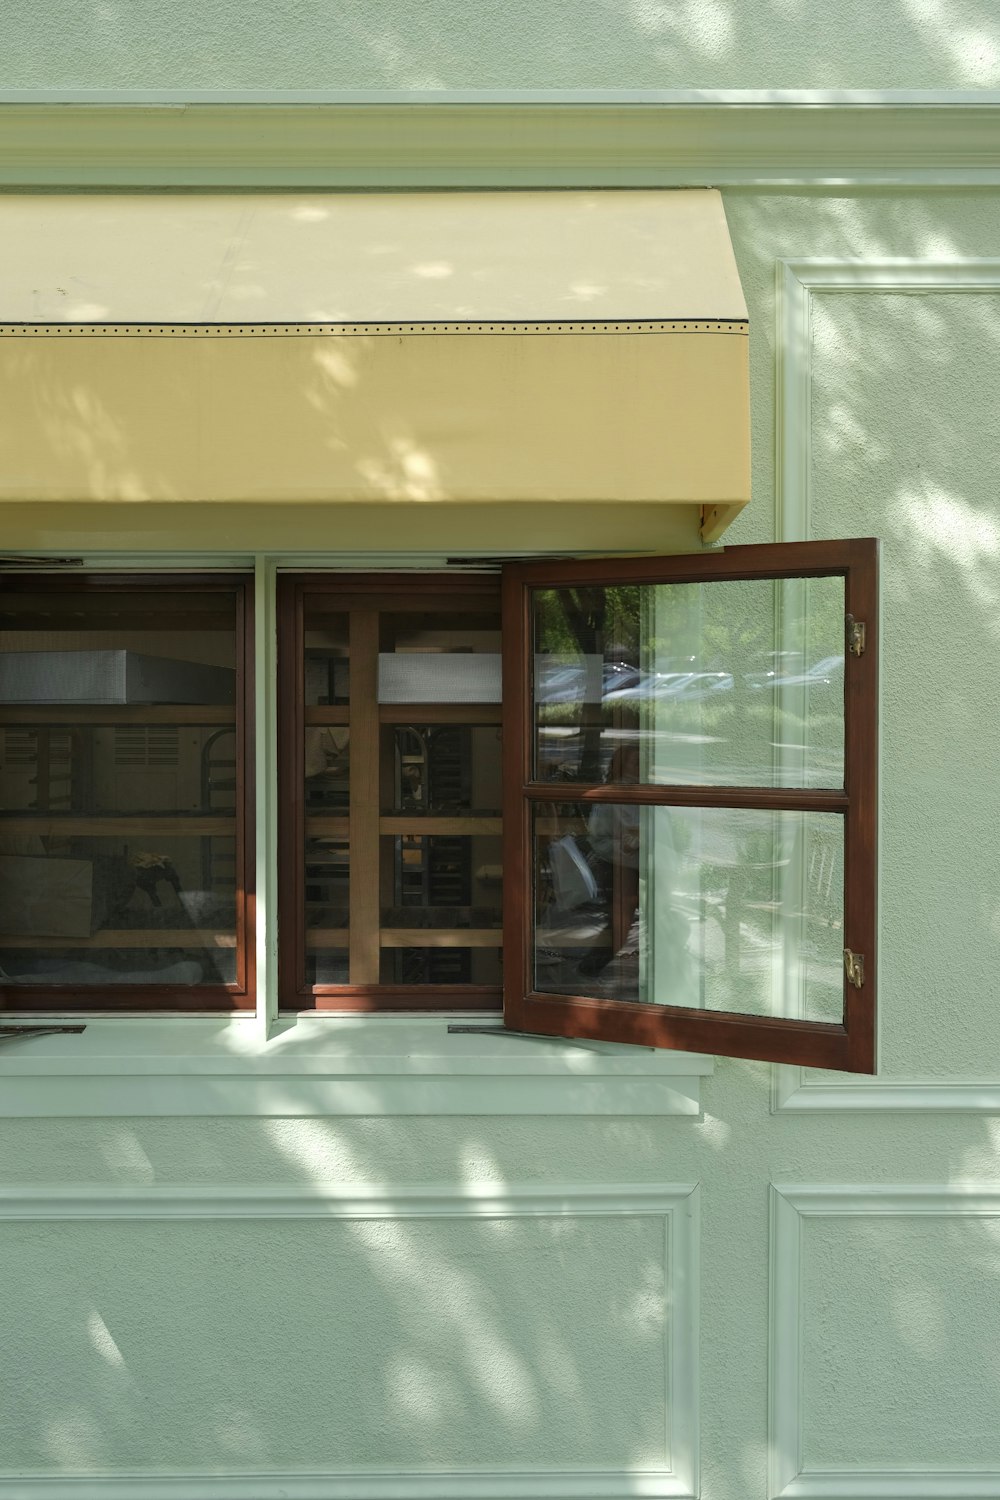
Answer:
x=792 y=1090
x=333 y=1066
x=676 y=1204
x=798 y=282
x=470 y=139
x=787 y=1479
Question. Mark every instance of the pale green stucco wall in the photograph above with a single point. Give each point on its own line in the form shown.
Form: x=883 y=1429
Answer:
x=227 y=1346
x=530 y=44
x=220 y=1347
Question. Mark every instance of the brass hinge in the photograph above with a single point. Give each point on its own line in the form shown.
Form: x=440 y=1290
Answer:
x=855 y=636
x=854 y=968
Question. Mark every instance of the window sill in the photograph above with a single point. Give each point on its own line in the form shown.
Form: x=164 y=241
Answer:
x=385 y=1065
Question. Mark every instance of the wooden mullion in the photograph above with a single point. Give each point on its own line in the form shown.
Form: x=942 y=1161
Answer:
x=768 y=799
x=432 y=824
x=861 y=825
x=337 y=713
x=441 y=937
x=373 y=998
x=365 y=912
x=246 y=861
x=518 y=741
x=291 y=771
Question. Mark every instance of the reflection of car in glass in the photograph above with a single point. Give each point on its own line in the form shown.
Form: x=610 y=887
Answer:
x=824 y=673
x=586 y=680
x=658 y=686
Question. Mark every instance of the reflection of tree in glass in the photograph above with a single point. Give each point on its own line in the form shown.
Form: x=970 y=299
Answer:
x=572 y=625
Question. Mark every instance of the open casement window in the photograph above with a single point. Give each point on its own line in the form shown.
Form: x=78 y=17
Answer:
x=126 y=845
x=690 y=784
x=391 y=792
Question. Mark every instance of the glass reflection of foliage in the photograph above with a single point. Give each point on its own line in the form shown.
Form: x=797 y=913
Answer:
x=576 y=623
x=739 y=681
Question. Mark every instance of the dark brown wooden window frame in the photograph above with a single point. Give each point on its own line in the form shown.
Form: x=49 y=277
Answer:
x=174 y=999
x=849 y=1046
x=362 y=596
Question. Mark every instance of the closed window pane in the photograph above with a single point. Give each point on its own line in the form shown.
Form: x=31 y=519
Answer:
x=401 y=793
x=120 y=774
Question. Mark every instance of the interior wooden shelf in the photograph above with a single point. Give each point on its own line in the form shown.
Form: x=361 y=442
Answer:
x=328 y=714
x=411 y=937
x=117 y=825
x=415 y=824
x=411 y=713
x=152 y=937
x=439 y=713
x=326 y=826
x=441 y=937
x=320 y=826
x=77 y=715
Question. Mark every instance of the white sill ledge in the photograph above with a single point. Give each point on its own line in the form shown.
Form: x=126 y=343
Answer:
x=342 y=1065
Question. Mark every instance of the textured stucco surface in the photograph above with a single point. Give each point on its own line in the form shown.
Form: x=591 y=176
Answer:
x=897 y=1325
x=904 y=397
x=536 y=44
x=395 y=1342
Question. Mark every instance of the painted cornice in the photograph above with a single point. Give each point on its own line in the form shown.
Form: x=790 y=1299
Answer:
x=467 y=139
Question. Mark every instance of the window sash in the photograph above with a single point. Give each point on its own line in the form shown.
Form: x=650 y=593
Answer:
x=364 y=596
x=850 y=1045
x=71 y=998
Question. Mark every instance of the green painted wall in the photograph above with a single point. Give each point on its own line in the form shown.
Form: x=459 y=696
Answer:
x=223 y=1348
x=528 y=44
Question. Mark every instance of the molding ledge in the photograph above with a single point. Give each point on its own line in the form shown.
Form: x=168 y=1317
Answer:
x=792 y=1092
x=675 y=1204
x=360 y=1067
x=787 y=1478
x=463 y=140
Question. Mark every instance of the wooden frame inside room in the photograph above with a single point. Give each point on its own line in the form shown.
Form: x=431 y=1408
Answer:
x=366 y=602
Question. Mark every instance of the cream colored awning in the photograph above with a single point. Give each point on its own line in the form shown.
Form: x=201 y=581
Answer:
x=343 y=348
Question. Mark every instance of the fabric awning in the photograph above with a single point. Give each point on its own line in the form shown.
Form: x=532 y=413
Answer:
x=444 y=347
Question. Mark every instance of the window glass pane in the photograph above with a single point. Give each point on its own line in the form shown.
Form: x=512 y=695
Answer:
x=118 y=787
x=130 y=910
x=711 y=908
x=441 y=965
x=737 y=683
x=441 y=894
x=326 y=764
x=402 y=788
x=327 y=896
x=326 y=668
x=443 y=768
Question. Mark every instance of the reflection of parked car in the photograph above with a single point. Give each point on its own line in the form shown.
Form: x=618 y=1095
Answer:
x=661 y=686
x=586 y=680
x=823 y=673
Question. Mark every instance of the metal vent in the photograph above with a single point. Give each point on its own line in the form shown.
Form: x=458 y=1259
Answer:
x=142 y=746
x=20 y=748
